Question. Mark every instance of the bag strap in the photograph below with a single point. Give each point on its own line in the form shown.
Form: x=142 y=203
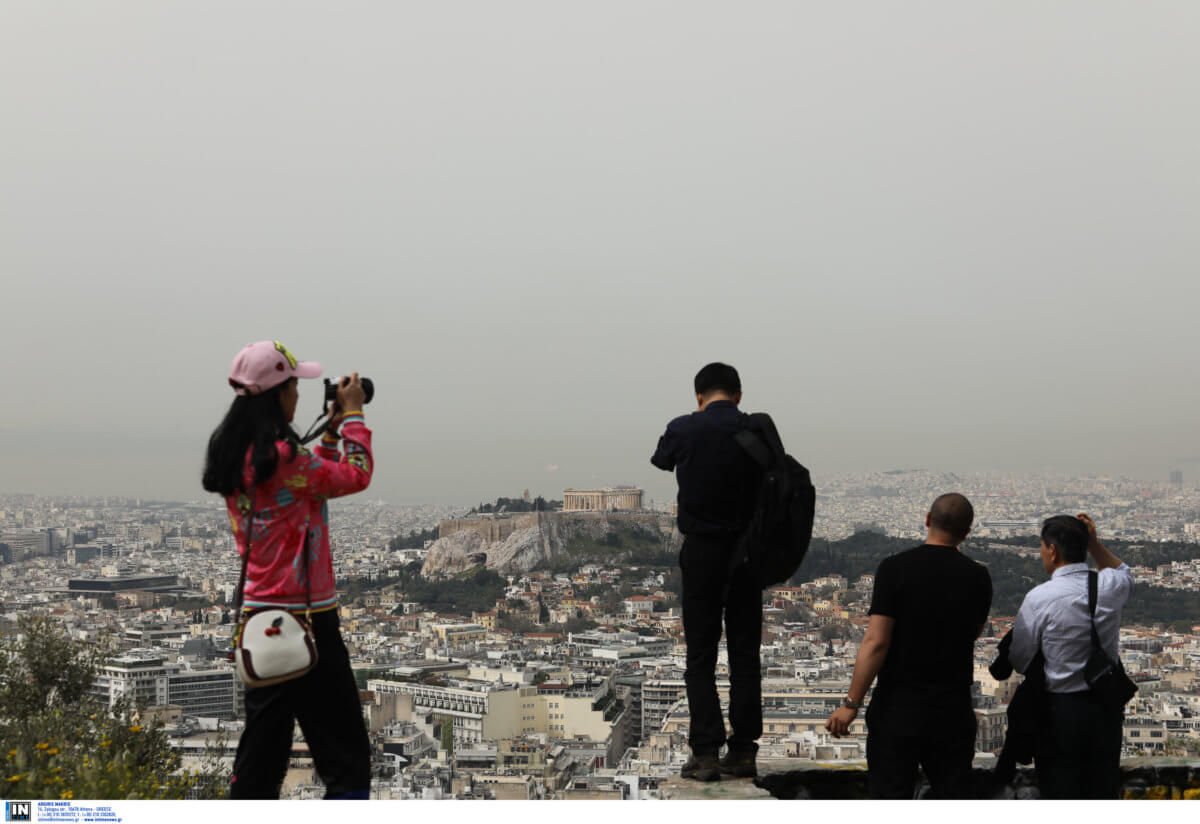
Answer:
x=766 y=455
x=241 y=589
x=307 y=575
x=765 y=450
x=248 y=528
x=754 y=445
x=1093 y=587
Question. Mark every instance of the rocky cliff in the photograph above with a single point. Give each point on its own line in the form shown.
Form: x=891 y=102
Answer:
x=558 y=539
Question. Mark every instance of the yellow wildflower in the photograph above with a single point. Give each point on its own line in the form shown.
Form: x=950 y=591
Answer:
x=137 y=728
x=53 y=751
x=14 y=778
x=12 y=753
x=42 y=746
x=68 y=794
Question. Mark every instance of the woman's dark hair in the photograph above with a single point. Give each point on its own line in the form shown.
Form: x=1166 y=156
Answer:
x=251 y=419
x=1069 y=534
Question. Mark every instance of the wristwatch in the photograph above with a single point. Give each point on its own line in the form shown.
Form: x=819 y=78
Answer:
x=851 y=705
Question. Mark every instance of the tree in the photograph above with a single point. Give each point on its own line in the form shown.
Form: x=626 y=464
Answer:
x=59 y=741
x=835 y=630
x=579 y=624
x=413 y=540
x=610 y=602
x=795 y=613
x=447 y=724
x=513 y=623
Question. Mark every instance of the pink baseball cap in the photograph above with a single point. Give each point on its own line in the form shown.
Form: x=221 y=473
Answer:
x=266 y=364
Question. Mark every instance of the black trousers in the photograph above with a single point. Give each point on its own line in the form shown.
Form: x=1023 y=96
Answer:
x=326 y=703
x=705 y=565
x=892 y=762
x=1079 y=748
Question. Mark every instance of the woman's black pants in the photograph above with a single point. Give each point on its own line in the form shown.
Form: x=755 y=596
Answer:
x=326 y=703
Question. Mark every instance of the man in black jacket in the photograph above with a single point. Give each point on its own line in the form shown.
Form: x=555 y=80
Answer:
x=718 y=482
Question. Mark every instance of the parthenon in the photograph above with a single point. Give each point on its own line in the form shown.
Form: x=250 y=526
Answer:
x=607 y=499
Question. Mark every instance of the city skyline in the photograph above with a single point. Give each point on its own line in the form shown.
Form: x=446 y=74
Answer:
x=541 y=656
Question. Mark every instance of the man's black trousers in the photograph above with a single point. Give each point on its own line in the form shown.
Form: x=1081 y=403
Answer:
x=705 y=565
x=326 y=703
x=892 y=762
x=1079 y=748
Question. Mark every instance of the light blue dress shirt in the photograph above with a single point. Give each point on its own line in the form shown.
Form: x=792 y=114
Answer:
x=1054 y=618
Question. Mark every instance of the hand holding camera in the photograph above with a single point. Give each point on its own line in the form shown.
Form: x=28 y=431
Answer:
x=350 y=394
x=347 y=396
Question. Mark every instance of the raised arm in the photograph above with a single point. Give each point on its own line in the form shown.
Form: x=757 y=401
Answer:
x=330 y=474
x=1099 y=552
x=667 y=454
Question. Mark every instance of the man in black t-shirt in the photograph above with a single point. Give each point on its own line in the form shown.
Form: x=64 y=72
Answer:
x=929 y=605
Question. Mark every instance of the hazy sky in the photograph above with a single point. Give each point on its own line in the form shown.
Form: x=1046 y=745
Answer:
x=960 y=236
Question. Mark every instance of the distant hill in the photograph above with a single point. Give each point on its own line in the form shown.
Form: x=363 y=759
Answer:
x=557 y=541
x=1014 y=575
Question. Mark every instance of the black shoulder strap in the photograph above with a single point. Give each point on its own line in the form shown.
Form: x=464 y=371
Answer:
x=1093 y=587
x=248 y=528
x=764 y=454
x=753 y=444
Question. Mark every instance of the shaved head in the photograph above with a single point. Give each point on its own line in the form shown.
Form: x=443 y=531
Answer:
x=953 y=514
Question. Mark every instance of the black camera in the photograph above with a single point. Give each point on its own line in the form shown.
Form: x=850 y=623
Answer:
x=331 y=388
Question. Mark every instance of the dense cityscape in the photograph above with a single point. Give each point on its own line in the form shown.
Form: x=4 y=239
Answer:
x=532 y=648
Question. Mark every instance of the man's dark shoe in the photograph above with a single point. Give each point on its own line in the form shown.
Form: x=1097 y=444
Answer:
x=740 y=761
x=702 y=768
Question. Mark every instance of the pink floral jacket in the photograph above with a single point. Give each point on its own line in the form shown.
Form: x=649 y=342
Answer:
x=289 y=506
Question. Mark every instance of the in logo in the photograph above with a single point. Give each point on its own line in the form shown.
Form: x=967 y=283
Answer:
x=18 y=811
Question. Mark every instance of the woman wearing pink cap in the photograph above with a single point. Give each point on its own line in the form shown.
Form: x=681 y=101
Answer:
x=276 y=492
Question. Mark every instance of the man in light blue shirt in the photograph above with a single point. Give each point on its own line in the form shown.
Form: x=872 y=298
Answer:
x=1079 y=749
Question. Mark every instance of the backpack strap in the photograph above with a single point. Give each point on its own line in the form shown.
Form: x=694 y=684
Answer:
x=1093 y=587
x=766 y=451
x=754 y=445
x=765 y=445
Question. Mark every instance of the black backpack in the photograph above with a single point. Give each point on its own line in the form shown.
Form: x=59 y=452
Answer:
x=781 y=528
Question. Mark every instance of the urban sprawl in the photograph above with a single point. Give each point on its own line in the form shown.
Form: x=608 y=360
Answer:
x=533 y=649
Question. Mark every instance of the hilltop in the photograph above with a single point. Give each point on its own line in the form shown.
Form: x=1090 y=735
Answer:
x=558 y=541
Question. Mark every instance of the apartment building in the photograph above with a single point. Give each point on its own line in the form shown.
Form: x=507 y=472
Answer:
x=149 y=680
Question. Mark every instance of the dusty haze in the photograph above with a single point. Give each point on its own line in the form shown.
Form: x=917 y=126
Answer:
x=955 y=236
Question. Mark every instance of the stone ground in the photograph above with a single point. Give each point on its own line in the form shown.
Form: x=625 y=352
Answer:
x=744 y=789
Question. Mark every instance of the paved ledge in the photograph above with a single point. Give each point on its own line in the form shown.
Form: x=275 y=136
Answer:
x=789 y=779
x=776 y=779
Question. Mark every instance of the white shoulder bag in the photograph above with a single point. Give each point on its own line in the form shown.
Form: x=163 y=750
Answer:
x=272 y=645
